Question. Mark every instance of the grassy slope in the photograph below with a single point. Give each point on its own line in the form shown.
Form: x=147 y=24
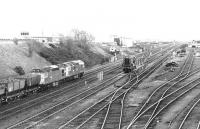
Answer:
x=12 y=55
x=90 y=54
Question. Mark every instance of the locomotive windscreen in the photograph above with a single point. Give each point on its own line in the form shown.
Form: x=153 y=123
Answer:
x=134 y=60
x=126 y=61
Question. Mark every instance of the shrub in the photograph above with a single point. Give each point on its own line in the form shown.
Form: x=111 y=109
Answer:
x=15 y=40
x=69 y=48
x=52 y=45
x=30 y=49
x=19 y=70
x=42 y=54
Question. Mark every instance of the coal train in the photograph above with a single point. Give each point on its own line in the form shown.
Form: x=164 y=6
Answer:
x=131 y=63
x=40 y=79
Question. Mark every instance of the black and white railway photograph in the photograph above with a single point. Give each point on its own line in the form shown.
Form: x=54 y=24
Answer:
x=100 y=64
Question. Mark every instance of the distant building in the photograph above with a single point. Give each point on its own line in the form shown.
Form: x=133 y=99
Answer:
x=195 y=43
x=109 y=43
x=24 y=34
x=42 y=39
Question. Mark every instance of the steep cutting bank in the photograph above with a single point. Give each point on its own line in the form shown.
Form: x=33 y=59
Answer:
x=32 y=54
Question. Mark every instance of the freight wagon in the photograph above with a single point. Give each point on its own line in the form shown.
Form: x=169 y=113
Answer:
x=32 y=82
x=40 y=79
x=11 y=88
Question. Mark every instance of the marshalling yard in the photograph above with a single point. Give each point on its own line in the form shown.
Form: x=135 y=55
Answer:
x=161 y=92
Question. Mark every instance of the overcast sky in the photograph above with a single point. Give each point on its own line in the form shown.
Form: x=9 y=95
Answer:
x=139 y=19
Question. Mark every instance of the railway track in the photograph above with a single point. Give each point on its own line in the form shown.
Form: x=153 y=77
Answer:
x=198 y=126
x=22 y=106
x=112 y=104
x=156 y=99
x=185 y=70
x=115 y=108
x=189 y=110
x=63 y=105
x=9 y=112
x=102 y=67
x=37 y=121
x=180 y=92
x=93 y=110
x=19 y=108
x=157 y=54
x=175 y=96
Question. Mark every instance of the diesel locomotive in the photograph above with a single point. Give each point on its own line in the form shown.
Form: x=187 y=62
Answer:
x=131 y=64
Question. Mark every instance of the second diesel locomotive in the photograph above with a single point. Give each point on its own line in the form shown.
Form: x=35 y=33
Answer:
x=114 y=50
x=131 y=63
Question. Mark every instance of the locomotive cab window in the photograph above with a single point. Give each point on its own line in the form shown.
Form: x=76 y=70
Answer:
x=63 y=72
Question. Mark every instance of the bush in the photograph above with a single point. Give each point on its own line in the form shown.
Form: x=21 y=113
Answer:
x=30 y=49
x=69 y=48
x=15 y=40
x=52 y=45
x=19 y=70
x=42 y=54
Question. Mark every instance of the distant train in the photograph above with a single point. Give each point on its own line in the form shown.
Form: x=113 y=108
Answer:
x=128 y=64
x=114 y=50
x=181 y=52
x=132 y=63
x=40 y=79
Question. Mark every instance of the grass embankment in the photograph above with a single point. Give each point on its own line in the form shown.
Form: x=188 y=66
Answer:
x=14 y=56
x=24 y=56
x=67 y=50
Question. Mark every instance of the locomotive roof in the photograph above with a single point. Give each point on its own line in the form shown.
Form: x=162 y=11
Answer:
x=67 y=63
x=78 y=61
x=49 y=68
